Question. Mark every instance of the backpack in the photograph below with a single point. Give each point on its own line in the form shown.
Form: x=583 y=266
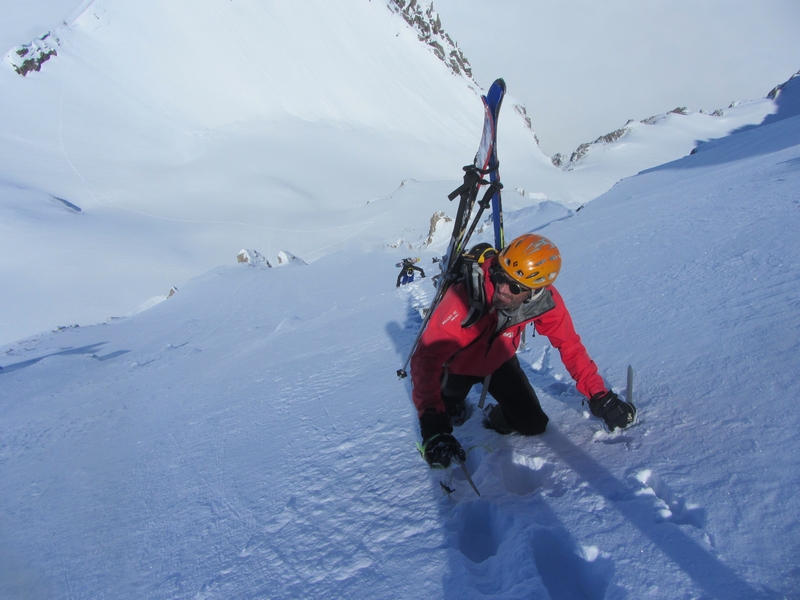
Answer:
x=468 y=270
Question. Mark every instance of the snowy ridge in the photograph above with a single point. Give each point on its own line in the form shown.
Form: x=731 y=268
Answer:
x=667 y=133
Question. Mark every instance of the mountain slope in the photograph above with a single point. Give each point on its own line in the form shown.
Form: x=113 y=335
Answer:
x=155 y=142
x=187 y=132
x=248 y=437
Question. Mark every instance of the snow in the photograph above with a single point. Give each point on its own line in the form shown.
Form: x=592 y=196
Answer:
x=243 y=125
x=247 y=436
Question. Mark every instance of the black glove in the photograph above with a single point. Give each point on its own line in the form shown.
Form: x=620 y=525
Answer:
x=443 y=448
x=612 y=410
x=439 y=447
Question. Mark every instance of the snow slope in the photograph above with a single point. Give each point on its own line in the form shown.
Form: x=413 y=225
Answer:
x=184 y=132
x=247 y=438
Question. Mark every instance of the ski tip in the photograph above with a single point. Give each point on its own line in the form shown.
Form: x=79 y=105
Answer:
x=500 y=82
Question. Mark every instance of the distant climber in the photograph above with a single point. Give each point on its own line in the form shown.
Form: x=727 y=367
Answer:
x=407 y=268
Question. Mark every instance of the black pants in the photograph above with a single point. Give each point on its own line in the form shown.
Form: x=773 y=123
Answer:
x=512 y=390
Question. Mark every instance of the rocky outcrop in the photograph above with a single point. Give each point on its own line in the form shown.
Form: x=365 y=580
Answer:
x=560 y=161
x=526 y=120
x=287 y=258
x=438 y=221
x=426 y=22
x=773 y=94
x=30 y=57
x=253 y=258
x=609 y=138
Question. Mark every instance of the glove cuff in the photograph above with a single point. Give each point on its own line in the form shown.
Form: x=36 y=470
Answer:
x=432 y=423
x=598 y=403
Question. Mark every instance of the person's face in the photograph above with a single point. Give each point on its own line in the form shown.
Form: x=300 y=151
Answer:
x=508 y=294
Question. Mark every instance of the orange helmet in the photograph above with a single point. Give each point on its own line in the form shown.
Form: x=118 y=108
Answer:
x=532 y=260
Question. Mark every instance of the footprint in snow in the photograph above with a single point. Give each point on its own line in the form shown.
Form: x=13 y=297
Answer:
x=569 y=571
x=482 y=527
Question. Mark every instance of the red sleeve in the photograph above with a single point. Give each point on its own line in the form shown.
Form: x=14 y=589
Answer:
x=443 y=337
x=557 y=325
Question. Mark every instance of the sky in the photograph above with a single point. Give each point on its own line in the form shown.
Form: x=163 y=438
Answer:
x=583 y=68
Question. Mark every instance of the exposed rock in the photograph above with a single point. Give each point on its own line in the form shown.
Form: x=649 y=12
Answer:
x=653 y=120
x=287 y=258
x=437 y=220
x=428 y=25
x=523 y=113
x=777 y=89
x=30 y=57
x=253 y=258
x=581 y=150
x=579 y=153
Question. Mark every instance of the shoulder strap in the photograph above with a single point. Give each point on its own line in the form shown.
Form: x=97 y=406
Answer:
x=472 y=274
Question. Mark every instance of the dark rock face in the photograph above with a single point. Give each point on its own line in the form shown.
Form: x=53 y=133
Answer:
x=426 y=22
x=30 y=57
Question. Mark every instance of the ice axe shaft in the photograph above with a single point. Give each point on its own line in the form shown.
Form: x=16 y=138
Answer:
x=469 y=477
x=629 y=389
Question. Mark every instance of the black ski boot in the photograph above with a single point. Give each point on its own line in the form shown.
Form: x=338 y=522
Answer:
x=456 y=409
x=494 y=419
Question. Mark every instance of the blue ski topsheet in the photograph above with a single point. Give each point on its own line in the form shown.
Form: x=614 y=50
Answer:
x=492 y=101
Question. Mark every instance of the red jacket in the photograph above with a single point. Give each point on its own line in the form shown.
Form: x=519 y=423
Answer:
x=480 y=349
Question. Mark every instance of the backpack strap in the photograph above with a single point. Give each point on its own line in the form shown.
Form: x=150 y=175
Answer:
x=472 y=275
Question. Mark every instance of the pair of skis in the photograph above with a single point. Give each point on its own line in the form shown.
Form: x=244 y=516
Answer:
x=485 y=163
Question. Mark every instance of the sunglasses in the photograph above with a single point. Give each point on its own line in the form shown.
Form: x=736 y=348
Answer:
x=499 y=277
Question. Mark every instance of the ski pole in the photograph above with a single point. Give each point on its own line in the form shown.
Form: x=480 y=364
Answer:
x=401 y=372
x=484 y=390
x=468 y=192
